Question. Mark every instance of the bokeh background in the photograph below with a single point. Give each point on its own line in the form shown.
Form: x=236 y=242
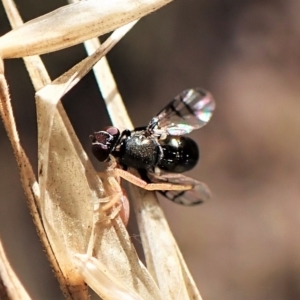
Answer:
x=244 y=244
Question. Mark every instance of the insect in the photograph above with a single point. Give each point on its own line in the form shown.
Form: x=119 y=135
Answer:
x=160 y=151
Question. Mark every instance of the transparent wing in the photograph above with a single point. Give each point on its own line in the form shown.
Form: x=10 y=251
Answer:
x=188 y=111
x=199 y=192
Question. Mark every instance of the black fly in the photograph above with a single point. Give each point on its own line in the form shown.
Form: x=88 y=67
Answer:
x=160 y=152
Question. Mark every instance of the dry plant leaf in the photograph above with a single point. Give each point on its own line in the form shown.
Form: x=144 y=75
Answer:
x=73 y=211
x=28 y=179
x=163 y=257
x=31 y=187
x=72 y=24
x=102 y=281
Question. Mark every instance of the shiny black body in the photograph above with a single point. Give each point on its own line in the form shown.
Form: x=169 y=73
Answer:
x=181 y=154
x=175 y=154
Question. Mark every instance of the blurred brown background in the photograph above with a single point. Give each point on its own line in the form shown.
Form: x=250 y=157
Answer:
x=244 y=244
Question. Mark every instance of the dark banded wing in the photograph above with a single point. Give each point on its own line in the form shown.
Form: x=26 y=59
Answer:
x=188 y=111
x=198 y=194
x=187 y=198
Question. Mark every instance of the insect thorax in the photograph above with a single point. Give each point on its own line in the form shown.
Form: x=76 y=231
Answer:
x=139 y=151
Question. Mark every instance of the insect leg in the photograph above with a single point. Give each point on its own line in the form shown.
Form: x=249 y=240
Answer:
x=165 y=186
x=117 y=201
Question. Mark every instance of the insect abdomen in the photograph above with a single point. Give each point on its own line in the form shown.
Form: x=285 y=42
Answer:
x=180 y=154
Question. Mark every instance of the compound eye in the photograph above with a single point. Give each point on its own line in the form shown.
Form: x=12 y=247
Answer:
x=103 y=142
x=112 y=131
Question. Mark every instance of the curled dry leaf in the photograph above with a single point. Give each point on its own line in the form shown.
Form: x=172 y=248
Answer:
x=72 y=192
x=73 y=24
